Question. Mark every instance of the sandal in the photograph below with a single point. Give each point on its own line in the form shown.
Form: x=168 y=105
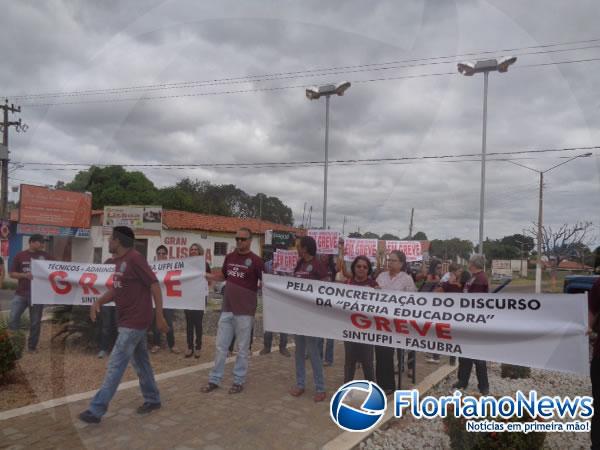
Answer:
x=209 y=388
x=189 y=353
x=236 y=388
x=296 y=391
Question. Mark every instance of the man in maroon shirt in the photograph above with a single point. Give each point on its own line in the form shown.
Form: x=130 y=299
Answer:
x=242 y=270
x=477 y=283
x=20 y=270
x=134 y=285
x=594 y=310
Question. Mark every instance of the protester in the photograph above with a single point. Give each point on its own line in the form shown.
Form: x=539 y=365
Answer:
x=162 y=254
x=20 y=270
x=394 y=279
x=430 y=284
x=477 y=283
x=195 y=317
x=134 y=286
x=2 y=271
x=242 y=270
x=309 y=267
x=451 y=281
x=268 y=335
x=356 y=352
x=593 y=317
x=108 y=324
x=327 y=355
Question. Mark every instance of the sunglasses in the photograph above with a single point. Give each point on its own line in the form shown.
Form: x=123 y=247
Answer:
x=241 y=239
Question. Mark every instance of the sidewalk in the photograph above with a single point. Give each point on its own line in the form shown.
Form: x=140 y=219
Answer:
x=264 y=416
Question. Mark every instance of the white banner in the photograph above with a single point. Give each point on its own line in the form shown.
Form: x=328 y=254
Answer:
x=136 y=217
x=285 y=261
x=327 y=241
x=182 y=282
x=412 y=249
x=354 y=247
x=545 y=331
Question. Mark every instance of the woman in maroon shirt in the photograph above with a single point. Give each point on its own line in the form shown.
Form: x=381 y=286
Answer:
x=361 y=269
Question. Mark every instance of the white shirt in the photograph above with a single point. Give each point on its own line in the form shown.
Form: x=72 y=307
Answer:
x=401 y=282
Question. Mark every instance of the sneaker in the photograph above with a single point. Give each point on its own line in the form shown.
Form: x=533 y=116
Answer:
x=148 y=408
x=484 y=391
x=174 y=350
x=88 y=417
x=285 y=352
x=458 y=386
x=102 y=354
x=264 y=351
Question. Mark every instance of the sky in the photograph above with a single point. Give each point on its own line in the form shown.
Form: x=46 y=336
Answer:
x=224 y=82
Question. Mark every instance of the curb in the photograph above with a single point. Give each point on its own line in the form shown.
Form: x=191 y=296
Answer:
x=348 y=440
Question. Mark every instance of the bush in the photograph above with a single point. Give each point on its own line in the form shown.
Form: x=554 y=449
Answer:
x=510 y=371
x=11 y=349
x=9 y=285
x=461 y=439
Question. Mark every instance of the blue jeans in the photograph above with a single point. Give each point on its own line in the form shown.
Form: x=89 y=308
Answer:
x=18 y=305
x=241 y=328
x=130 y=345
x=328 y=349
x=309 y=344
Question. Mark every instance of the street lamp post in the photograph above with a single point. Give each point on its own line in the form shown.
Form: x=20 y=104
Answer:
x=470 y=69
x=538 y=266
x=314 y=93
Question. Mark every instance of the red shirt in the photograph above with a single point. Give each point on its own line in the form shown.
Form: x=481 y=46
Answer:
x=594 y=308
x=477 y=283
x=22 y=264
x=370 y=282
x=132 y=280
x=312 y=270
x=451 y=287
x=242 y=273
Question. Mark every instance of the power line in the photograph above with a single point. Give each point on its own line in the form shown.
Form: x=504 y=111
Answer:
x=274 y=164
x=278 y=88
x=283 y=76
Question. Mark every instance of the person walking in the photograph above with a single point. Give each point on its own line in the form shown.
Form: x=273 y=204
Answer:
x=477 y=283
x=242 y=271
x=162 y=254
x=396 y=279
x=309 y=267
x=134 y=286
x=20 y=270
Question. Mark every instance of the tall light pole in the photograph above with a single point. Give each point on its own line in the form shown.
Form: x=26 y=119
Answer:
x=538 y=266
x=469 y=69
x=315 y=93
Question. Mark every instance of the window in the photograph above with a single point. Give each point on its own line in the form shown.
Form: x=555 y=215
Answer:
x=97 y=255
x=220 y=249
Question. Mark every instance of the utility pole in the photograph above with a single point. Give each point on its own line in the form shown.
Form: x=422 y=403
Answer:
x=344 y=226
x=303 y=214
x=19 y=126
x=310 y=217
x=410 y=228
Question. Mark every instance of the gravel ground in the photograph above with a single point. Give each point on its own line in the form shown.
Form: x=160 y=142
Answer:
x=59 y=369
x=410 y=433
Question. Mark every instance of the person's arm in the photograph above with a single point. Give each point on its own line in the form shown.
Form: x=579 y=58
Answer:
x=161 y=323
x=105 y=298
x=214 y=277
x=21 y=275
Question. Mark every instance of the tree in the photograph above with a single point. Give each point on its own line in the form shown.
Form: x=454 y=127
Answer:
x=389 y=237
x=419 y=236
x=516 y=240
x=369 y=235
x=355 y=234
x=113 y=185
x=564 y=242
x=495 y=249
x=272 y=209
x=451 y=248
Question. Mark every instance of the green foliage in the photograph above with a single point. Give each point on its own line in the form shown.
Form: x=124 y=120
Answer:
x=514 y=372
x=495 y=249
x=355 y=234
x=419 y=236
x=11 y=349
x=516 y=240
x=451 y=248
x=461 y=439
x=369 y=235
x=389 y=237
x=9 y=285
x=114 y=186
